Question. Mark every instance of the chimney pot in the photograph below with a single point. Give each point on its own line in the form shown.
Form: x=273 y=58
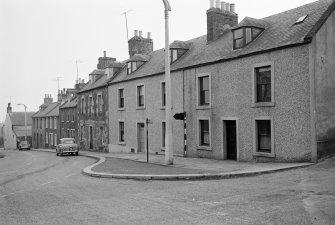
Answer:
x=232 y=7
x=135 y=33
x=140 y=33
x=211 y=3
x=217 y=4
x=223 y=6
x=227 y=6
x=105 y=54
x=149 y=35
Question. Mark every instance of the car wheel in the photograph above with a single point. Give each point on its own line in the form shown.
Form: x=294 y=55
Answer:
x=76 y=153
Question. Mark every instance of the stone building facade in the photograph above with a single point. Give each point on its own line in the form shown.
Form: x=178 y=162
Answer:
x=92 y=107
x=259 y=90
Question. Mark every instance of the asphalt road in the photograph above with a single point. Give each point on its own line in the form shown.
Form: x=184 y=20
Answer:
x=40 y=188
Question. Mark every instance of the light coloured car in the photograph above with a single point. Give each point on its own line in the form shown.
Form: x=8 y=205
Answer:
x=67 y=146
x=24 y=145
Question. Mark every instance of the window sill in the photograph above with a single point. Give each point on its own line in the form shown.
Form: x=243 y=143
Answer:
x=262 y=104
x=264 y=154
x=122 y=143
x=205 y=148
x=121 y=109
x=140 y=107
x=163 y=149
x=162 y=107
x=203 y=107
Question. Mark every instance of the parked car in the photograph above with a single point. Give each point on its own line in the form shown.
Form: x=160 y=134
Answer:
x=24 y=145
x=67 y=146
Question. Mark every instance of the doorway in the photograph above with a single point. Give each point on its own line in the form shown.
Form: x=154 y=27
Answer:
x=230 y=142
x=91 y=137
x=140 y=137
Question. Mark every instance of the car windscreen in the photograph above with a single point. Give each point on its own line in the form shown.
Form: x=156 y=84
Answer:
x=68 y=142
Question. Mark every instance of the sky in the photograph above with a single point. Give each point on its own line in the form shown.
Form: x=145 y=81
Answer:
x=40 y=40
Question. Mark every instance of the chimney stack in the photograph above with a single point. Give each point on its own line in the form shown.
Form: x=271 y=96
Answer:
x=104 y=61
x=140 y=45
x=9 y=108
x=105 y=54
x=219 y=18
x=135 y=33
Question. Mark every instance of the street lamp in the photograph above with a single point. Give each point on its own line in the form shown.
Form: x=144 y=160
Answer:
x=25 y=121
x=168 y=113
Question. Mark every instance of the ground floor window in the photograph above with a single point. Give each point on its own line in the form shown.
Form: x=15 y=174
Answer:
x=263 y=136
x=204 y=133
x=51 y=139
x=46 y=138
x=55 y=136
x=121 y=131
x=163 y=134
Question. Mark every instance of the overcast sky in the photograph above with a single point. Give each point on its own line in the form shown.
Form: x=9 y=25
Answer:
x=40 y=40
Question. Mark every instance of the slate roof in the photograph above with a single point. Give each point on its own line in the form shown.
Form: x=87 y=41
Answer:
x=44 y=112
x=279 y=32
x=248 y=21
x=17 y=118
x=21 y=132
x=70 y=104
x=54 y=111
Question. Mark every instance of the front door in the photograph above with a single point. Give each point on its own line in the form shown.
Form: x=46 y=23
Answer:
x=91 y=138
x=140 y=137
x=231 y=139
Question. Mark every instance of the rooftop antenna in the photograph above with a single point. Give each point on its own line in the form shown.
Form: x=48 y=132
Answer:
x=58 y=78
x=125 y=14
x=77 y=61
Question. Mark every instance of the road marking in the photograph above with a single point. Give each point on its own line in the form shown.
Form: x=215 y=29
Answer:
x=70 y=175
x=47 y=183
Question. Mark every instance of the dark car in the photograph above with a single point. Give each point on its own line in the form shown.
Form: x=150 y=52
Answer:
x=24 y=145
x=67 y=146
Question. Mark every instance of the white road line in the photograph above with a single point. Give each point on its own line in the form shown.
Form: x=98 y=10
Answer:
x=70 y=175
x=47 y=183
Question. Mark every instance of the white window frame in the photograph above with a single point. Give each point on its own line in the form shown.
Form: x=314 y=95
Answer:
x=203 y=147
x=91 y=104
x=119 y=132
x=198 y=76
x=55 y=122
x=124 y=98
x=163 y=137
x=137 y=96
x=254 y=85
x=46 y=138
x=173 y=55
x=255 y=143
x=99 y=107
x=55 y=139
x=51 y=139
x=82 y=103
x=46 y=122
x=162 y=96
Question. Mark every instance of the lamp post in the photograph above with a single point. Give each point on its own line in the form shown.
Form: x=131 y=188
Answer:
x=168 y=113
x=25 y=121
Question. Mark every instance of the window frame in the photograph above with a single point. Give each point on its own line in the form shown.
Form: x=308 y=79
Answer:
x=99 y=104
x=254 y=102
x=163 y=94
x=118 y=98
x=255 y=142
x=198 y=77
x=121 y=142
x=138 y=96
x=199 y=145
x=172 y=51
x=90 y=105
x=83 y=105
x=163 y=136
x=244 y=37
x=131 y=67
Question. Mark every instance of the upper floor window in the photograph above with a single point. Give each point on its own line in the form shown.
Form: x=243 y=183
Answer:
x=47 y=122
x=263 y=84
x=82 y=105
x=73 y=115
x=131 y=67
x=121 y=98
x=163 y=91
x=245 y=35
x=50 y=120
x=55 y=122
x=99 y=103
x=140 y=96
x=173 y=55
x=90 y=103
x=204 y=90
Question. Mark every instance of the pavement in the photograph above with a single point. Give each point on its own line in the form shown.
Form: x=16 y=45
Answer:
x=134 y=166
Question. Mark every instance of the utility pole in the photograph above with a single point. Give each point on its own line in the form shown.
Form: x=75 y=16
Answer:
x=168 y=108
x=125 y=14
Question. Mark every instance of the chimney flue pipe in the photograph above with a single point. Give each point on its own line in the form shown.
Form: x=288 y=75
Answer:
x=227 y=6
x=211 y=4
x=223 y=6
x=135 y=33
x=232 y=7
x=149 y=35
x=217 y=4
x=140 y=33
